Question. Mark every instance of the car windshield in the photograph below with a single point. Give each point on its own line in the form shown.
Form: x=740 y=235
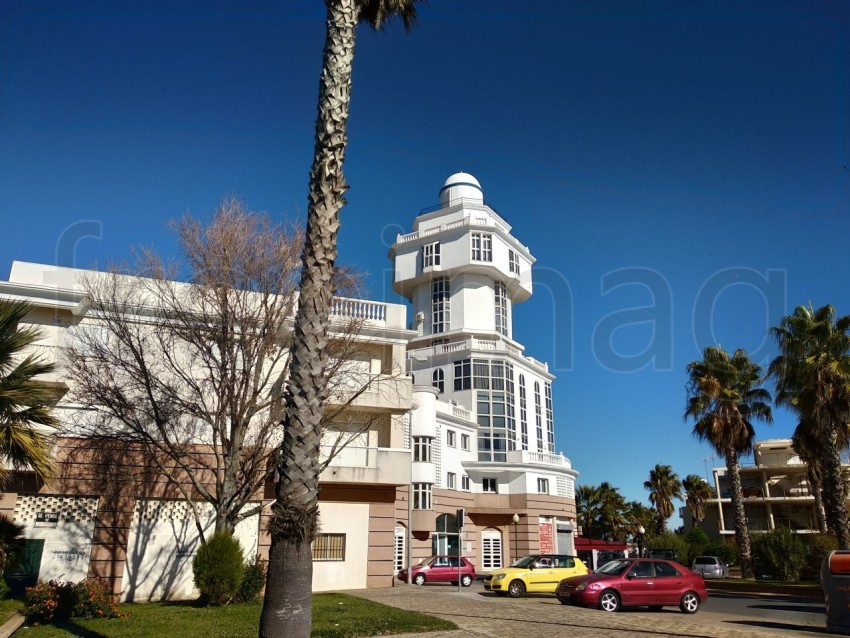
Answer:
x=427 y=561
x=704 y=560
x=614 y=568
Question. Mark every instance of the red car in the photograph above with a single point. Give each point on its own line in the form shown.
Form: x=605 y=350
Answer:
x=632 y=582
x=441 y=569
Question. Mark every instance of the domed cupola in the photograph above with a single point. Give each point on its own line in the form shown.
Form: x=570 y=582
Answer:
x=461 y=187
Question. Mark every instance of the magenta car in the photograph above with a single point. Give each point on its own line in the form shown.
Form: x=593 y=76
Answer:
x=632 y=582
x=441 y=569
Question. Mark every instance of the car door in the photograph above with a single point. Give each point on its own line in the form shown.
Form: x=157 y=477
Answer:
x=669 y=584
x=541 y=576
x=637 y=586
x=440 y=569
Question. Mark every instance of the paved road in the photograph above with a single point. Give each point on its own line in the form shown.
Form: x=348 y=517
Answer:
x=482 y=614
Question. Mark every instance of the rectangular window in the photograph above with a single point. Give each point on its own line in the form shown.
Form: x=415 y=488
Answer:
x=422 y=449
x=450 y=438
x=542 y=486
x=513 y=261
x=538 y=416
x=482 y=247
x=441 y=307
x=451 y=481
x=501 y=308
x=490 y=485
x=431 y=255
x=464 y=483
x=550 y=421
x=421 y=496
x=329 y=547
x=464 y=441
x=463 y=377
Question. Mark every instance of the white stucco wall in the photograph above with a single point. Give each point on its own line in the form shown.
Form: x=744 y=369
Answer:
x=351 y=519
x=67 y=541
x=161 y=545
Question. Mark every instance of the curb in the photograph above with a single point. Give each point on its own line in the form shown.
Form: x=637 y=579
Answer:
x=812 y=592
x=12 y=625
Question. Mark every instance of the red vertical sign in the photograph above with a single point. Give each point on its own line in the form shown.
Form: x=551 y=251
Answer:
x=547 y=540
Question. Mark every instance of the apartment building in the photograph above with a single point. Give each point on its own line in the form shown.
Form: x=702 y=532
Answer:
x=456 y=417
x=776 y=493
x=482 y=426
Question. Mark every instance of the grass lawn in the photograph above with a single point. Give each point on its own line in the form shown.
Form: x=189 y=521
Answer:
x=8 y=607
x=334 y=616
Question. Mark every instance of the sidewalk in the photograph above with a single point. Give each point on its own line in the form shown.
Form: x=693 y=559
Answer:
x=481 y=614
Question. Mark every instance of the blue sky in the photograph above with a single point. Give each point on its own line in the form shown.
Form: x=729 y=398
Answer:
x=679 y=169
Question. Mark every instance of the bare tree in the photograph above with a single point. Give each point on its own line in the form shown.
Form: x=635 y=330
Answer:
x=189 y=375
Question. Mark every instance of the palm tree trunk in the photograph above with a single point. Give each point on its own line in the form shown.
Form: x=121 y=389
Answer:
x=834 y=490
x=817 y=491
x=742 y=530
x=287 y=608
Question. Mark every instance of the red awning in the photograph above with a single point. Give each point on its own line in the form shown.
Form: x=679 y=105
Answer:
x=591 y=543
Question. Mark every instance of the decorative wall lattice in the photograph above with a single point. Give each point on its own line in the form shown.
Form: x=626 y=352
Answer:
x=69 y=508
x=167 y=510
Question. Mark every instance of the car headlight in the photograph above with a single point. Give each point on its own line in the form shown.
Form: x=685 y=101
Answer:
x=581 y=587
x=499 y=576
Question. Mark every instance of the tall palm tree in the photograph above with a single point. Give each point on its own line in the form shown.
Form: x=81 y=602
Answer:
x=697 y=492
x=588 y=509
x=808 y=448
x=724 y=398
x=24 y=401
x=664 y=486
x=812 y=374
x=287 y=607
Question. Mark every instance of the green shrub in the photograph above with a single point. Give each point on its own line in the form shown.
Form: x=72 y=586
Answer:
x=218 y=568
x=778 y=554
x=724 y=551
x=818 y=546
x=4 y=589
x=93 y=599
x=697 y=542
x=11 y=542
x=672 y=541
x=253 y=580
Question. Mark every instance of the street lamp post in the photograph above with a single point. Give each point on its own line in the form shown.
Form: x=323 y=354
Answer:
x=639 y=540
x=516 y=536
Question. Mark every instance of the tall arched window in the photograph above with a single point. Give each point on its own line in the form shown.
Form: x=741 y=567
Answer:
x=445 y=539
x=538 y=416
x=439 y=380
x=400 y=554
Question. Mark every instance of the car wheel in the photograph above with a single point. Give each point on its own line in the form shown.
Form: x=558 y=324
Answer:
x=516 y=589
x=563 y=601
x=419 y=579
x=690 y=603
x=466 y=580
x=609 y=600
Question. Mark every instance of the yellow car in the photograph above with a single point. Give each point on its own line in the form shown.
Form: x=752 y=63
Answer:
x=538 y=573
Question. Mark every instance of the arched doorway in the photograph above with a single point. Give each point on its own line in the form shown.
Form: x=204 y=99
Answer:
x=491 y=549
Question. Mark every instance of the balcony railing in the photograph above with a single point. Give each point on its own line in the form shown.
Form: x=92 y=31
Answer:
x=473 y=343
x=358 y=309
x=469 y=220
x=762 y=524
x=538 y=458
x=350 y=456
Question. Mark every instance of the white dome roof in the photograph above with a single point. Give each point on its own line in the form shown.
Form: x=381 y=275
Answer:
x=461 y=186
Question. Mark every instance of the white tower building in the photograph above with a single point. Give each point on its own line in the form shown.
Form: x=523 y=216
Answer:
x=482 y=409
